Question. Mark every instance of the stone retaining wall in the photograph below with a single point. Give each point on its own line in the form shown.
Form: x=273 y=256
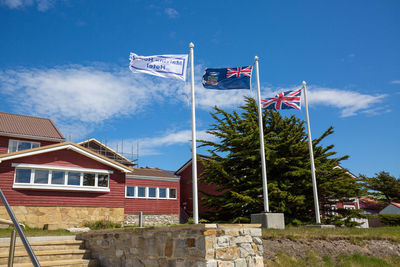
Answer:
x=152 y=219
x=202 y=245
x=62 y=217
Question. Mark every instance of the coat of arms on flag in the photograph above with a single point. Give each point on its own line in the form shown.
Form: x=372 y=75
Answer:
x=285 y=100
x=228 y=78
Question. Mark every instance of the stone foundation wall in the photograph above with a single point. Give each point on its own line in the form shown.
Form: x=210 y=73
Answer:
x=62 y=217
x=201 y=245
x=152 y=219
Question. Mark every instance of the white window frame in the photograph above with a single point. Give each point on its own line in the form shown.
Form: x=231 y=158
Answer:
x=65 y=186
x=146 y=190
x=134 y=191
x=18 y=141
x=349 y=207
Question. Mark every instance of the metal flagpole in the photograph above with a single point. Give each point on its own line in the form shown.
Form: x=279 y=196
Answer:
x=314 y=180
x=262 y=150
x=194 y=154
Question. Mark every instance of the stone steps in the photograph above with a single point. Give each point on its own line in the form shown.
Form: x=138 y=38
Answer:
x=53 y=252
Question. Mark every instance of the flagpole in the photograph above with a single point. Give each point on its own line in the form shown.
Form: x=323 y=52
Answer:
x=262 y=149
x=314 y=180
x=194 y=154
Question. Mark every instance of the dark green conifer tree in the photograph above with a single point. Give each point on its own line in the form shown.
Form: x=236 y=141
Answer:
x=234 y=167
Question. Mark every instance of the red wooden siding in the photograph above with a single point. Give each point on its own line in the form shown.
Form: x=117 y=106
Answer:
x=152 y=206
x=31 y=197
x=5 y=139
x=186 y=199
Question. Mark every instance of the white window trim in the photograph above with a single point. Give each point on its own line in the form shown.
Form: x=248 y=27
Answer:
x=16 y=140
x=64 y=187
x=136 y=191
x=351 y=207
x=59 y=168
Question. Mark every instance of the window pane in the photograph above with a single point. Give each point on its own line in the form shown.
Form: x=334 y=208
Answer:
x=35 y=145
x=74 y=178
x=23 y=176
x=152 y=192
x=141 y=191
x=103 y=180
x=130 y=191
x=172 y=193
x=24 y=145
x=88 y=179
x=57 y=177
x=162 y=192
x=41 y=177
x=13 y=146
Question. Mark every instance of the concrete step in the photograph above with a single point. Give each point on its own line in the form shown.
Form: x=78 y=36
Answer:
x=45 y=245
x=62 y=263
x=47 y=255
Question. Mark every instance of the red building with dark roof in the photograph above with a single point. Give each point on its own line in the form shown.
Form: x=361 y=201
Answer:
x=62 y=184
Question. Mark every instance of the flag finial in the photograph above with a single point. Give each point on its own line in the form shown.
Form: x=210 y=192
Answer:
x=256 y=58
x=191 y=45
x=304 y=83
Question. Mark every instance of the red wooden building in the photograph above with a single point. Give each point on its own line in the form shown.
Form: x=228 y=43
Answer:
x=63 y=184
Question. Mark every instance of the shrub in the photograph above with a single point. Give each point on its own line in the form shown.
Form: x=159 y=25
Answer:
x=390 y=219
x=101 y=224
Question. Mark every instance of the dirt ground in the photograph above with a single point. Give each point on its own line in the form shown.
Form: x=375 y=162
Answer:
x=299 y=248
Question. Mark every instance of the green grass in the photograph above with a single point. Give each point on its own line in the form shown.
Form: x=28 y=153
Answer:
x=353 y=234
x=353 y=260
x=35 y=232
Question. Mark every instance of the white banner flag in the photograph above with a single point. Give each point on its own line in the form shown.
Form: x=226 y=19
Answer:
x=167 y=66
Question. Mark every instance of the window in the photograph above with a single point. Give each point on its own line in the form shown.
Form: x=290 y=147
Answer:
x=74 y=178
x=172 y=193
x=349 y=207
x=130 y=191
x=23 y=176
x=59 y=179
x=102 y=180
x=89 y=179
x=152 y=192
x=162 y=193
x=141 y=191
x=17 y=145
x=41 y=177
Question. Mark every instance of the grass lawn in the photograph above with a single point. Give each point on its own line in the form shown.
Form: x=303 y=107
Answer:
x=387 y=233
x=35 y=232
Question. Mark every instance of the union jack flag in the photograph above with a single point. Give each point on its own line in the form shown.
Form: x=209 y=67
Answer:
x=285 y=100
x=231 y=72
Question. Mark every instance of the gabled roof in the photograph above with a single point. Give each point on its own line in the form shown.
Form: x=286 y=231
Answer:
x=67 y=145
x=395 y=204
x=152 y=174
x=184 y=166
x=29 y=127
x=100 y=148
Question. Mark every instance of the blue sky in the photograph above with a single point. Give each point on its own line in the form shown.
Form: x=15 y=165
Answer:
x=68 y=60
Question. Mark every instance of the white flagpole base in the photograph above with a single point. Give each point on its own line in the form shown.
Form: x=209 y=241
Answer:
x=269 y=220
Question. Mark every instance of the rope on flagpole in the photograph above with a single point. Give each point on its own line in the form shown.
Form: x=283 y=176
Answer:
x=314 y=180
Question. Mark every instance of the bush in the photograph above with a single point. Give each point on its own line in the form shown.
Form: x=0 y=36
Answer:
x=390 y=219
x=101 y=224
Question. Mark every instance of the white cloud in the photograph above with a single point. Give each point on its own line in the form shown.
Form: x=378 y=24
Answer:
x=80 y=98
x=152 y=145
x=171 y=13
x=349 y=102
x=80 y=95
x=42 y=5
x=395 y=82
